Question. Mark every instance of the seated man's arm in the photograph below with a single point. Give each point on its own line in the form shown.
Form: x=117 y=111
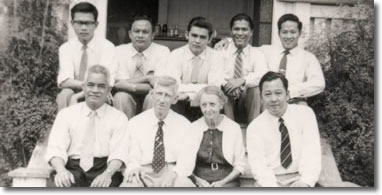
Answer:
x=63 y=178
x=263 y=174
x=310 y=164
x=72 y=84
x=314 y=81
x=131 y=87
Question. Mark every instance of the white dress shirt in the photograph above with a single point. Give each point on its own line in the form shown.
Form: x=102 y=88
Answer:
x=154 y=57
x=263 y=145
x=253 y=63
x=232 y=143
x=141 y=138
x=303 y=71
x=100 y=51
x=68 y=131
x=179 y=66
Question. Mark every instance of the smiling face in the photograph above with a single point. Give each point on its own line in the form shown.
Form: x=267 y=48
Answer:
x=141 y=35
x=96 y=88
x=241 y=33
x=163 y=97
x=210 y=106
x=84 y=25
x=274 y=97
x=289 y=34
x=197 y=39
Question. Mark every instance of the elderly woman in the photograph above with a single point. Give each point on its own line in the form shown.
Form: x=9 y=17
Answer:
x=213 y=153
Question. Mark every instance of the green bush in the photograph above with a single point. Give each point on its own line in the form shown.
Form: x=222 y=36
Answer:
x=28 y=71
x=345 y=110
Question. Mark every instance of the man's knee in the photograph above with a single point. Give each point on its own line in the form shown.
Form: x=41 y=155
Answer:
x=183 y=182
x=63 y=98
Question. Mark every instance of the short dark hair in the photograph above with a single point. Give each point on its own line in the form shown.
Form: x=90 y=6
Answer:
x=142 y=17
x=86 y=8
x=270 y=76
x=200 y=22
x=242 y=16
x=289 y=17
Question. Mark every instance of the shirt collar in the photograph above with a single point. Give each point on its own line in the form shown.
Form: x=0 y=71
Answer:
x=245 y=50
x=220 y=127
x=165 y=120
x=189 y=55
x=274 y=118
x=134 y=52
x=91 y=45
x=99 y=112
x=291 y=52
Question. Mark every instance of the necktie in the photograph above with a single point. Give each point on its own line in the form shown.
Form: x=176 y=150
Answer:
x=87 y=150
x=283 y=62
x=159 y=152
x=83 y=63
x=139 y=71
x=238 y=65
x=195 y=69
x=285 y=149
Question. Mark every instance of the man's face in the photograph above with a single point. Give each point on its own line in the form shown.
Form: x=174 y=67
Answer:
x=163 y=98
x=274 y=97
x=96 y=88
x=210 y=106
x=289 y=34
x=84 y=25
x=241 y=33
x=197 y=39
x=141 y=34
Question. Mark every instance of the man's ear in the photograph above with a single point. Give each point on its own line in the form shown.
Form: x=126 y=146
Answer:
x=288 y=95
x=175 y=100
x=186 y=35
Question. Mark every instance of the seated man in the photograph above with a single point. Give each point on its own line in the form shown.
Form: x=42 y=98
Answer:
x=300 y=67
x=84 y=137
x=153 y=140
x=194 y=65
x=137 y=63
x=81 y=52
x=244 y=65
x=283 y=142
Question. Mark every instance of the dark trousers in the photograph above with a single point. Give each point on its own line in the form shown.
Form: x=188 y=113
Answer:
x=84 y=179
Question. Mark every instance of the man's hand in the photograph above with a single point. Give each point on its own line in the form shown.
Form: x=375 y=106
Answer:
x=109 y=99
x=151 y=79
x=64 y=178
x=232 y=84
x=103 y=180
x=201 y=182
x=76 y=97
x=168 y=179
x=217 y=184
x=222 y=44
x=135 y=174
x=183 y=96
x=299 y=184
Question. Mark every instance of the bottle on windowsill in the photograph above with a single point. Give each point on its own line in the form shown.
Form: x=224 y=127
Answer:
x=164 y=30
x=176 y=31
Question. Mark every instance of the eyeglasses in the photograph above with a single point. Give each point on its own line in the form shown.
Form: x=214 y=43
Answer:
x=86 y=23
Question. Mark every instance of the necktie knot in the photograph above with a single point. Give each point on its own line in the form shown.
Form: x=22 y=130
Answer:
x=84 y=47
x=286 y=52
x=281 y=120
x=160 y=123
x=239 y=51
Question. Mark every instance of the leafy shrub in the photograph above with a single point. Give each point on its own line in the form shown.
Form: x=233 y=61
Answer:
x=345 y=110
x=28 y=71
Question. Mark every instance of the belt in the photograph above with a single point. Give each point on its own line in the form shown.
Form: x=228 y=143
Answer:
x=213 y=166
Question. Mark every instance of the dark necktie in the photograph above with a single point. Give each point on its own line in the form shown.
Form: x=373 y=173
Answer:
x=238 y=65
x=83 y=63
x=285 y=149
x=159 y=152
x=283 y=62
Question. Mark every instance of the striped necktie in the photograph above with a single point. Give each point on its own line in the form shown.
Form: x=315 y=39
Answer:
x=139 y=70
x=283 y=62
x=159 y=160
x=285 y=149
x=238 y=65
x=83 y=63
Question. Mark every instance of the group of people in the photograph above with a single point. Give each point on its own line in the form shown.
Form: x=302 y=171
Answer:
x=138 y=115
